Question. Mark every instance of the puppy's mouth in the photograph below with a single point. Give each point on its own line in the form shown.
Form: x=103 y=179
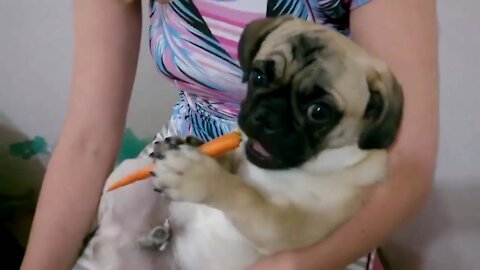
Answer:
x=259 y=155
x=258 y=149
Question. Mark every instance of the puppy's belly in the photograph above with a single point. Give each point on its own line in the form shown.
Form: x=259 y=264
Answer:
x=204 y=239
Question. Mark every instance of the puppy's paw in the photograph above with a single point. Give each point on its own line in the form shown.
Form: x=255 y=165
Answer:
x=172 y=143
x=185 y=174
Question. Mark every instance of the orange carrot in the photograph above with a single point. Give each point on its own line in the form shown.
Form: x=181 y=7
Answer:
x=213 y=148
x=221 y=145
x=141 y=174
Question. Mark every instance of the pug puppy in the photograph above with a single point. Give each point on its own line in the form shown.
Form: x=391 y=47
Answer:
x=317 y=120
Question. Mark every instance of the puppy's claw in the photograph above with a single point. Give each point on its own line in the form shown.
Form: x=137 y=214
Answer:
x=172 y=143
x=193 y=141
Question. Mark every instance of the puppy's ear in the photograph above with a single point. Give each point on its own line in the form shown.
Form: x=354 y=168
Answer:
x=384 y=111
x=251 y=40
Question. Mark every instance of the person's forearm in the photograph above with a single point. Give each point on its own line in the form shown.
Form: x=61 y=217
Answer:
x=67 y=204
x=107 y=41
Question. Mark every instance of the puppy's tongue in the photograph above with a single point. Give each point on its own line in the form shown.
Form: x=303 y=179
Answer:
x=259 y=148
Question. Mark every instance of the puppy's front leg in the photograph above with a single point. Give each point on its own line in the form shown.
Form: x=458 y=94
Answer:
x=271 y=226
x=185 y=174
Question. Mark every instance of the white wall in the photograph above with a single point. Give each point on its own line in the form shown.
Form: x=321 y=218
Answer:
x=35 y=65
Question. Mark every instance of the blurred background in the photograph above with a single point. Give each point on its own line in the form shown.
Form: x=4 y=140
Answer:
x=35 y=69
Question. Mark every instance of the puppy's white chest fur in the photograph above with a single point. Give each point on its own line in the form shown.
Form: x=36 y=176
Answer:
x=205 y=239
x=333 y=185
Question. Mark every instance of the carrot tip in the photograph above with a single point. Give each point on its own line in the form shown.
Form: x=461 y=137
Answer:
x=141 y=174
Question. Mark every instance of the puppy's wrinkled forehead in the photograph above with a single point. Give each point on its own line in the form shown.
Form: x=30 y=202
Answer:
x=294 y=45
x=309 y=57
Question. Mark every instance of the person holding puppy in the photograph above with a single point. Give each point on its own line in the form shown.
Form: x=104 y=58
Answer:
x=194 y=44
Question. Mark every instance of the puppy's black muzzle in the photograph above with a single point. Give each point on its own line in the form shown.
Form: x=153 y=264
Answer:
x=265 y=121
x=267 y=118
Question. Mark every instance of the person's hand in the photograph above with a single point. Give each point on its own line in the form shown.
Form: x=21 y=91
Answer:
x=281 y=261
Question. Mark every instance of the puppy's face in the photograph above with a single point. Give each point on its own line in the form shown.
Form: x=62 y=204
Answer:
x=310 y=89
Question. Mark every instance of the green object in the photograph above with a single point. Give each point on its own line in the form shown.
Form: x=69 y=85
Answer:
x=29 y=148
x=131 y=146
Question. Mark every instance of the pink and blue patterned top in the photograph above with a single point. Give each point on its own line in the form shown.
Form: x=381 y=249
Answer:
x=194 y=44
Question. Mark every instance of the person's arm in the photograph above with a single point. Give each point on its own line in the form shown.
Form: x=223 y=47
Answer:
x=404 y=33
x=107 y=41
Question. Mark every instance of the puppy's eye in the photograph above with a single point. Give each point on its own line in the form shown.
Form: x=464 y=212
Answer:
x=319 y=112
x=258 y=79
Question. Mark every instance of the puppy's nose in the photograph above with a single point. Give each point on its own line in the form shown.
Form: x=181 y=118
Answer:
x=263 y=119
